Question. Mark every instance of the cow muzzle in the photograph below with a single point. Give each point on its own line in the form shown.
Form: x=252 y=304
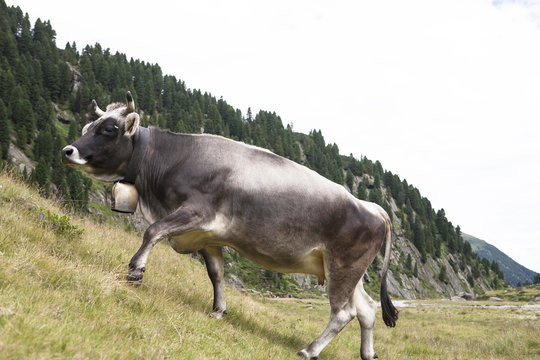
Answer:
x=124 y=197
x=71 y=156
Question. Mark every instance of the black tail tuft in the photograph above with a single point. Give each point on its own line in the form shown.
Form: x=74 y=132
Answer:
x=389 y=312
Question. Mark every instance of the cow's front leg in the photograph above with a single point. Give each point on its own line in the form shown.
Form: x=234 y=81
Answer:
x=213 y=256
x=182 y=220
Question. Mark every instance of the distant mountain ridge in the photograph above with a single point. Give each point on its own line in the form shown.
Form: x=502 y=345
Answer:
x=514 y=272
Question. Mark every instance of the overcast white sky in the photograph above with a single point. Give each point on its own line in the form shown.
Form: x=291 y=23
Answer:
x=444 y=93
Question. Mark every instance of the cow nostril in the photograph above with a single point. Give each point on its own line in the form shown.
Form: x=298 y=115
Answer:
x=72 y=157
x=68 y=151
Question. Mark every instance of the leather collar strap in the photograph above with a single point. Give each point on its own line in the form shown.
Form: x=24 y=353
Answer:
x=139 y=151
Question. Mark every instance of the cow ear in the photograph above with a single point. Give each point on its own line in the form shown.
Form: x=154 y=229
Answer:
x=132 y=123
x=85 y=128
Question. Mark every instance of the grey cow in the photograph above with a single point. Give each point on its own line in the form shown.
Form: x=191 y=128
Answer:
x=203 y=192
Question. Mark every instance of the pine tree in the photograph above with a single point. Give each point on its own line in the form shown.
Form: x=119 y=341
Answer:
x=40 y=175
x=467 y=250
x=495 y=283
x=73 y=132
x=7 y=80
x=64 y=79
x=44 y=114
x=24 y=42
x=486 y=266
x=419 y=240
x=355 y=166
x=349 y=180
x=443 y=276
x=451 y=241
x=197 y=116
x=43 y=147
x=437 y=246
x=214 y=123
x=362 y=190
x=408 y=263
x=475 y=269
x=23 y=120
x=22 y=72
x=77 y=192
x=58 y=175
x=470 y=280
x=70 y=53
x=377 y=181
x=375 y=195
x=430 y=249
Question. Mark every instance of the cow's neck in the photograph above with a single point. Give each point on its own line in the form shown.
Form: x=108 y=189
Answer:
x=162 y=173
x=139 y=151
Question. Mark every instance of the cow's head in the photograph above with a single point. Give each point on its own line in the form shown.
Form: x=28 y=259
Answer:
x=106 y=144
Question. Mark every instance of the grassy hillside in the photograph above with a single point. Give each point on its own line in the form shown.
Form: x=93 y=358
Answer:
x=63 y=296
x=514 y=273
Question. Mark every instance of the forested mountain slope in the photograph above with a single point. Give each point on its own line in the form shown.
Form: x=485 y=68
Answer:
x=514 y=273
x=44 y=96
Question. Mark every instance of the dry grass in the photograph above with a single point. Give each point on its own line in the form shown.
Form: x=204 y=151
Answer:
x=64 y=297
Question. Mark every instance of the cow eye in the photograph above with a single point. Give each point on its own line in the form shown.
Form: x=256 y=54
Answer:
x=109 y=130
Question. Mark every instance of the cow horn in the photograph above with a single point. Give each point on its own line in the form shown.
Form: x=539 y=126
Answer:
x=130 y=102
x=98 y=111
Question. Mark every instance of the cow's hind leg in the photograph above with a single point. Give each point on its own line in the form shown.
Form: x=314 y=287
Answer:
x=213 y=256
x=365 y=312
x=341 y=287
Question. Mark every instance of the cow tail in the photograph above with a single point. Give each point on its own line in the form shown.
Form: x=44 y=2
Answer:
x=389 y=312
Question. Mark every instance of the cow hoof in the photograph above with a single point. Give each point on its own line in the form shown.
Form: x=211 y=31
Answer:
x=135 y=276
x=303 y=354
x=375 y=356
x=218 y=314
